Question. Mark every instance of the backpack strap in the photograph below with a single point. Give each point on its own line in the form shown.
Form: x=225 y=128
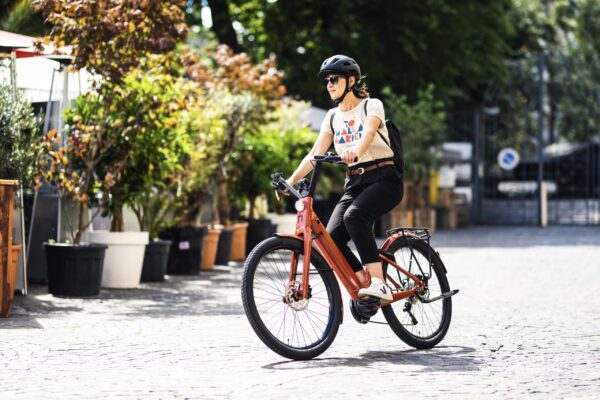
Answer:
x=331 y=123
x=380 y=135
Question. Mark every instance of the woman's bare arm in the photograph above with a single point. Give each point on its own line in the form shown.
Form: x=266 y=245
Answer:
x=322 y=144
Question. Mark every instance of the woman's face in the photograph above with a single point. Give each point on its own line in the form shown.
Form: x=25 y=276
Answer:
x=335 y=84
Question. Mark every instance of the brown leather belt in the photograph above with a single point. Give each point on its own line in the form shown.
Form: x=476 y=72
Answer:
x=361 y=170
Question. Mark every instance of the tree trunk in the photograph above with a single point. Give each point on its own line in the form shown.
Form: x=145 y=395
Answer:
x=118 y=225
x=221 y=24
x=81 y=226
x=252 y=211
x=223 y=204
x=215 y=207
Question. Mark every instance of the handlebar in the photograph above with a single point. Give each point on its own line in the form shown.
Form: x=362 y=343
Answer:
x=329 y=158
x=280 y=184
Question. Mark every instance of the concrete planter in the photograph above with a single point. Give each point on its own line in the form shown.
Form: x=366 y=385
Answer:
x=124 y=257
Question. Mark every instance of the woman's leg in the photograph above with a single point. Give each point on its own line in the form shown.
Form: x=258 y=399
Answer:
x=373 y=202
x=337 y=230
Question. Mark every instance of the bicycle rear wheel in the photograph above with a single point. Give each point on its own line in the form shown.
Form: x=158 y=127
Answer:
x=419 y=324
x=289 y=325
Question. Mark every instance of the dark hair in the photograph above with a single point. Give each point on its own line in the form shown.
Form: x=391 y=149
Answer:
x=360 y=89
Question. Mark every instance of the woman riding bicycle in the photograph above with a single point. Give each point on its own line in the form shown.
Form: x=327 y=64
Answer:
x=373 y=186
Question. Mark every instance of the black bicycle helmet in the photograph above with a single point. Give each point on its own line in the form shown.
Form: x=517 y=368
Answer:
x=341 y=64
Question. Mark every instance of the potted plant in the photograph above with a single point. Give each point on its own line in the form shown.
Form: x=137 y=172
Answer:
x=147 y=109
x=246 y=92
x=209 y=252
x=278 y=145
x=148 y=184
x=108 y=40
x=17 y=160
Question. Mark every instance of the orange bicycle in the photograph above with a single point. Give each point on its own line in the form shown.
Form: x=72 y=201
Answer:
x=292 y=298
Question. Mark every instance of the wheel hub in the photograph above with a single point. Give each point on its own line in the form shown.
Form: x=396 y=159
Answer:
x=293 y=297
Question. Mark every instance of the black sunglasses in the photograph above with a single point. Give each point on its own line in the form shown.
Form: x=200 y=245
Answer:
x=333 y=79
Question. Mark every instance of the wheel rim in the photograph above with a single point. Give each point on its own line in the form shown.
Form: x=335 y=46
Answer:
x=297 y=323
x=429 y=316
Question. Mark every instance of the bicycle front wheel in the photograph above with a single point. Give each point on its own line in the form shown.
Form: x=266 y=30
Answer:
x=419 y=324
x=291 y=326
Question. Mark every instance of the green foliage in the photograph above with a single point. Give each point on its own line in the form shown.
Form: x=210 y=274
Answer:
x=110 y=37
x=19 y=17
x=566 y=32
x=422 y=127
x=18 y=127
x=457 y=45
x=278 y=145
x=150 y=114
x=215 y=127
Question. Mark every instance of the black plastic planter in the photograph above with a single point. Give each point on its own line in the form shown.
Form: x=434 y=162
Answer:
x=273 y=229
x=224 y=248
x=186 y=250
x=258 y=230
x=156 y=258
x=74 y=270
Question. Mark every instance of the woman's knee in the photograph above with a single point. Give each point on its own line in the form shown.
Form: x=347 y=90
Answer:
x=355 y=218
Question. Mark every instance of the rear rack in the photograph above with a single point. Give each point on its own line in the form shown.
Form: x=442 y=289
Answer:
x=417 y=233
x=421 y=233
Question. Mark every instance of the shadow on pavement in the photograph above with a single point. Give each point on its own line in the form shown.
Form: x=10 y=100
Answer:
x=195 y=295
x=25 y=309
x=442 y=358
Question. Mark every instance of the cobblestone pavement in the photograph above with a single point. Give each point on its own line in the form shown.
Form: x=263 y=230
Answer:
x=526 y=324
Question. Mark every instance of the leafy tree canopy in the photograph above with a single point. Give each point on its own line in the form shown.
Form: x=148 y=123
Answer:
x=403 y=44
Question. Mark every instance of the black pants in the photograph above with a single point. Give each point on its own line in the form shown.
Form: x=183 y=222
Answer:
x=366 y=198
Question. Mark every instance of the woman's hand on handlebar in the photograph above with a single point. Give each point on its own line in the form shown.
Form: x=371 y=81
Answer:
x=349 y=156
x=290 y=182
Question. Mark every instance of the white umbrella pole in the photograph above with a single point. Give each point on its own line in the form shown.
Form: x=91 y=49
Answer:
x=13 y=81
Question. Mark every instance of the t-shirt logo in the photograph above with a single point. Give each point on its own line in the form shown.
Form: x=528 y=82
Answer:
x=349 y=134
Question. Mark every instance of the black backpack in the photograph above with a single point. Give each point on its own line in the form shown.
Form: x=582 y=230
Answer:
x=395 y=142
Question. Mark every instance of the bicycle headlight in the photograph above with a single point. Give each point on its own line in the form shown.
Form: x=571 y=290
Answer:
x=299 y=205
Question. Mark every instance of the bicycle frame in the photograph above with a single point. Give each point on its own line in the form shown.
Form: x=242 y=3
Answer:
x=309 y=228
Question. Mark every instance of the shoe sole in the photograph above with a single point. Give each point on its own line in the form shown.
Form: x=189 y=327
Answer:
x=367 y=295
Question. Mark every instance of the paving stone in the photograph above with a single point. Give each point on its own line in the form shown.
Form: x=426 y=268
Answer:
x=526 y=324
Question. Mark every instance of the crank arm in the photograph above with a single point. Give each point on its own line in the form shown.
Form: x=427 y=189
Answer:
x=442 y=296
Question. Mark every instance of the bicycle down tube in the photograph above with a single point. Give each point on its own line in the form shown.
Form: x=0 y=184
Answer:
x=309 y=228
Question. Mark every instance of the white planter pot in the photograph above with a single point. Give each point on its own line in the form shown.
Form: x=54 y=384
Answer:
x=124 y=257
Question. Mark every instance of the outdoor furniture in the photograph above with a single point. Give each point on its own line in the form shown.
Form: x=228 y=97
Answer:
x=6 y=246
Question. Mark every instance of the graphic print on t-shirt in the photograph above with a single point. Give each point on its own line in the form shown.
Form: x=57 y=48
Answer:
x=350 y=133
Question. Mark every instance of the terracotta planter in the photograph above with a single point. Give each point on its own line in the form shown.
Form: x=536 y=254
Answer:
x=6 y=245
x=209 y=253
x=238 y=243
x=14 y=268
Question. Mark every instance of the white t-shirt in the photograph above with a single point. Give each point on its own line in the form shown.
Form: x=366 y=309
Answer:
x=348 y=130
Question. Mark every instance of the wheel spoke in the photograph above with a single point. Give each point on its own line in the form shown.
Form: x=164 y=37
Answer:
x=306 y=325
x=431 y=317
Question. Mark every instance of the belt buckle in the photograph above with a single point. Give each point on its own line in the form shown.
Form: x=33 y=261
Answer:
x=360 y=171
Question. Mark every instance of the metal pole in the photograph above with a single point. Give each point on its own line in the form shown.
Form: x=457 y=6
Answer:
x=476 y=212
x=542 y=200
x=13 y=81
x=49 y=104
